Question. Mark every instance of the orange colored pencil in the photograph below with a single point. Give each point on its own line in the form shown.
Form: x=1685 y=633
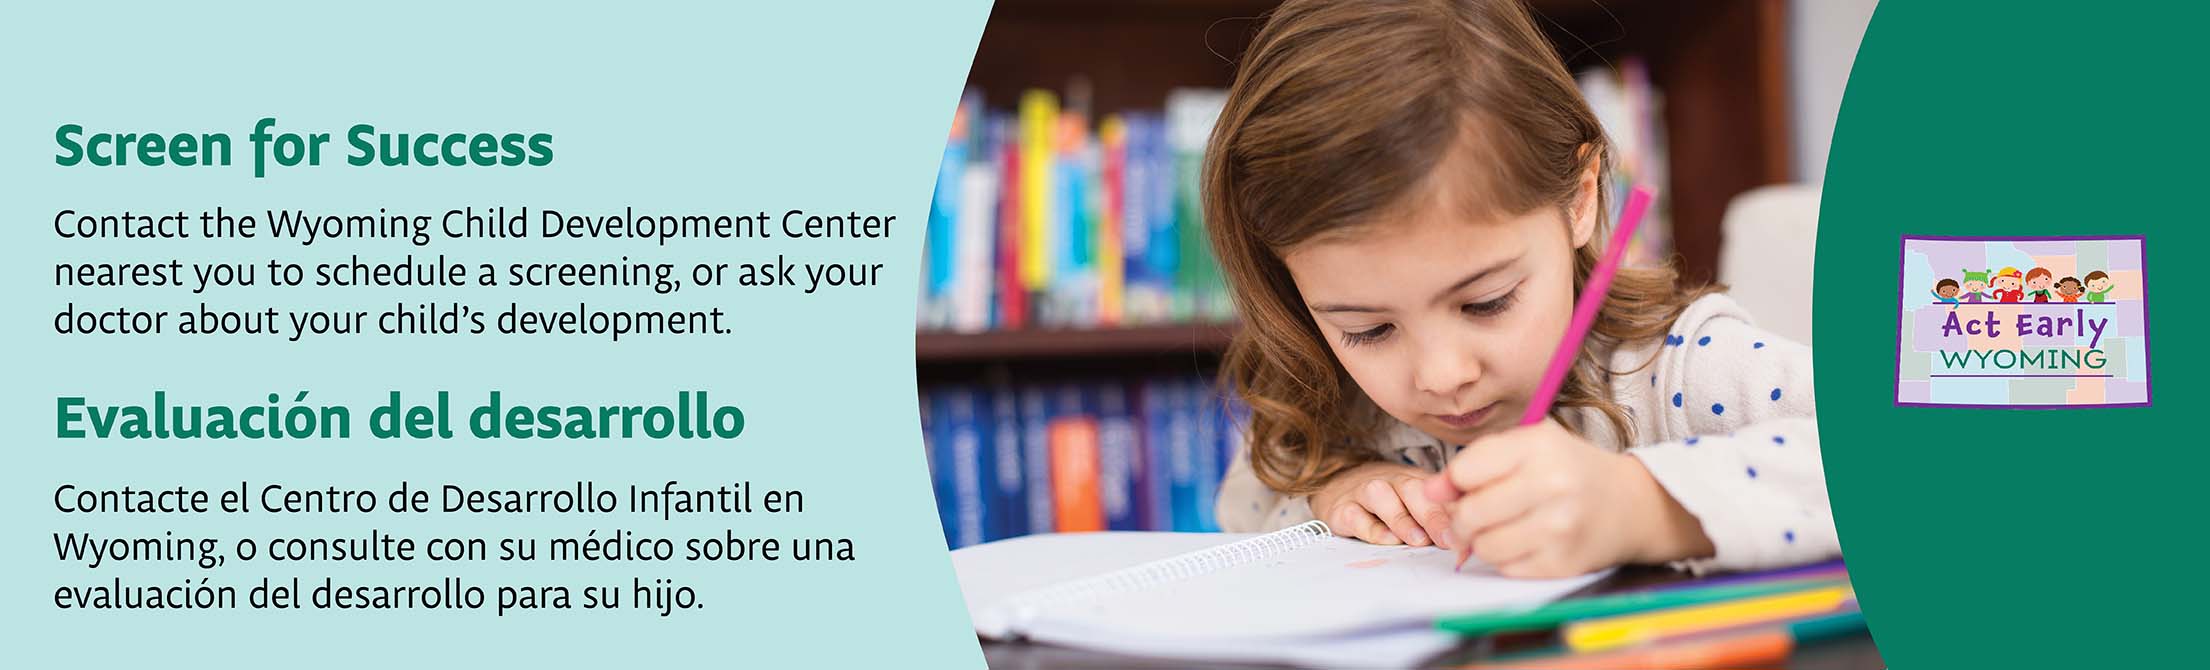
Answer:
x=1735 y=651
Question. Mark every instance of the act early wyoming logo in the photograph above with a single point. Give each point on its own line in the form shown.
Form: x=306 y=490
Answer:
x=2023 y=322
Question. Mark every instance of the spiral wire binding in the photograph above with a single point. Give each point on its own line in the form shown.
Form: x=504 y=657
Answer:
x=1027 y=606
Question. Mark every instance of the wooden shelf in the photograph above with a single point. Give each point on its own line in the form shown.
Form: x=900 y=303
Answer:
x=1202 y=340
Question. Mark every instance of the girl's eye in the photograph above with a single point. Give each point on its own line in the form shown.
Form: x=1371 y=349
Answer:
x=1367 y=336
x=1492 y=307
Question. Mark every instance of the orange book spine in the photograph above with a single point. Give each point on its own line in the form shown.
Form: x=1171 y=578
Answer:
x=1074 y=495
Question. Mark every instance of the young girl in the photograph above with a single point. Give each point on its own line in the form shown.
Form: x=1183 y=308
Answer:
x=1406 y=197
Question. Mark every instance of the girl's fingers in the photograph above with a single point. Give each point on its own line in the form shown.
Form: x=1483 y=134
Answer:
x=1509 y=543
x=1437 y=487
x=1550 y=562
x=1434 y=518
x=1470 y=523
x=1478 y=465
x=1381 y=499
x=1500 y=502
x=1354 y=521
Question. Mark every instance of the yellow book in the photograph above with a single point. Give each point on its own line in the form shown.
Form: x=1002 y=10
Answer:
x=1631 y=629
x=1039 y=119
x=1113 y=135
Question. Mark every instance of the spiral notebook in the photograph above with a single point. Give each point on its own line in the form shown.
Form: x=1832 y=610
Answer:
x=1298 y=595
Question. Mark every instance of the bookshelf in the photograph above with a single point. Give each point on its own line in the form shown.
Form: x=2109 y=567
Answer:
x=1720 y=65
x=1069 y=429
x=1189 y=339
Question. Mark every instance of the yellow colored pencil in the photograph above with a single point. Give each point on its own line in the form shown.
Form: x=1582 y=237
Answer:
x=1630 y=629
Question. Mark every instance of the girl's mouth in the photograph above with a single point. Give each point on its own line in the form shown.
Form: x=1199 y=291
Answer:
x=1466 y=420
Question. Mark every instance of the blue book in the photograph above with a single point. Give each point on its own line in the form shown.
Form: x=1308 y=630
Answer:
x=967 y=459
x=1162 y=253
x=1010 y=504
x=943 y=211
x=931 y=444
x=1156 y=403
x=1211 y=423
x=1135 y=231
x=1181 y=456
x=1035 y=406
x=1078 y=240
x=1120 y=457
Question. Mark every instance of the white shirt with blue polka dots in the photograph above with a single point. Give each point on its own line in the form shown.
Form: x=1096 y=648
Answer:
x=1725 y=418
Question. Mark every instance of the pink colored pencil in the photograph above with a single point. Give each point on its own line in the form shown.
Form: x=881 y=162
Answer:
x=1584 y=311
x=1584 y=317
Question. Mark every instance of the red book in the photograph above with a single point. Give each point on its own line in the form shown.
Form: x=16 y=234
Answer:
x=1012 y=295
x=1111 y=277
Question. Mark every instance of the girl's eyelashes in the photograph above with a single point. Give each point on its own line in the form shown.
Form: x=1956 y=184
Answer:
x=1478 y=309
x=1491 y=307
x=1367 y=336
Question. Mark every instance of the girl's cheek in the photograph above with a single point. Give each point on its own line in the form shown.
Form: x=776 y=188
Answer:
x=1394 y=380
x=1377 y=380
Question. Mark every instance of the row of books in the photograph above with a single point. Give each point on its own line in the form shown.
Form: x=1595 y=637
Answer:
x=1632 y=114
x=1042 y=219
x=1098 y=454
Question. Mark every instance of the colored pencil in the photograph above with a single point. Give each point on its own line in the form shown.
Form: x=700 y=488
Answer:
x=1631 y=629
x=1584 y=311
x=1551 y=615
x=1767 y=645
x=1833 y=569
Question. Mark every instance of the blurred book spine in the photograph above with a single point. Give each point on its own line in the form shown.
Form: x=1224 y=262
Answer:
x=1042 y=218
x=1633 y=116
x=954 y=426
x=1015 y=458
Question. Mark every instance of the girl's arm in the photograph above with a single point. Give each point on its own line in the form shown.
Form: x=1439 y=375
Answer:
x=1732 y=435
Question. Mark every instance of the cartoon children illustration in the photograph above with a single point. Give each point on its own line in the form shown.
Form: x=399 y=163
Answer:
x=2007 y=285
x=1973 y=282
x=2098 y=286
x=2069 y=290
x=2037 y=284
x=1945 y=291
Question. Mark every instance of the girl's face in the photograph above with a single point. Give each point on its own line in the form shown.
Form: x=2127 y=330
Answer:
x=1446 y=323
x=2006 y=283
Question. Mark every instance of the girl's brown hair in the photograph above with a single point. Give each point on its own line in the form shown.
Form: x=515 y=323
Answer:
x=1339 y=111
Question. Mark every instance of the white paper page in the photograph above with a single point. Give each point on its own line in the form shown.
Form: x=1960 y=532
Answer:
x=1400 y=647
x=989 y=573
x=1334 y=587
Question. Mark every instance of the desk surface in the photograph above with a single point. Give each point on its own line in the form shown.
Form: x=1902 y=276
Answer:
x=1855 y=652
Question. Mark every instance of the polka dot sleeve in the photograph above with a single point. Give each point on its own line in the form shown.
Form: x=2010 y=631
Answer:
x=1246 y=505
x=1729 y=417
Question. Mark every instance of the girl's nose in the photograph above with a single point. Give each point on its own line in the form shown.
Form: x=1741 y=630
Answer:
x=1443 y=370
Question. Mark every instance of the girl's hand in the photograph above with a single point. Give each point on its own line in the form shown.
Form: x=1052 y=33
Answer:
x=1381 y=503
x=1539 y=501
